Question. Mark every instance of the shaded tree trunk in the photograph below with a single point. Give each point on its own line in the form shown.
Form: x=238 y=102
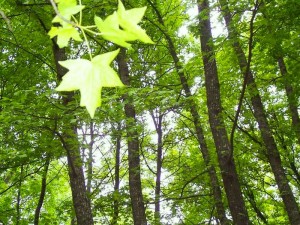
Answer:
x=135 y=184
x=90 y=160
x=227 y=165
x=158 y=127
x=292 y=99
x=18 y=209
x=249 y=193
x=272 y=152
x=69 y=139
x=193 y=108
x=117 y=176
x=42 y=193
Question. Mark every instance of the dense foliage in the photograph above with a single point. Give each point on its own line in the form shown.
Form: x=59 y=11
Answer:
x=205 y=130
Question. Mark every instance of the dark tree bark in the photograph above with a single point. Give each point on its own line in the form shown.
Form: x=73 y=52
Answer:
x=42 y=193
x=227 y=165
x=193 y=108
x=69 y=139
x=272 y=152
x=135 y=184
x=117 y=176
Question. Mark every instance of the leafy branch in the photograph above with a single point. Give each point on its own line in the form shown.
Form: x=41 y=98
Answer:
x=89 y=76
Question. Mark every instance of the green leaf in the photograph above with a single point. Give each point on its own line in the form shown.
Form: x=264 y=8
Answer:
x=111 y=31
x=89 y=77
x=128 y=20
x=67 y=8
x=64 y=34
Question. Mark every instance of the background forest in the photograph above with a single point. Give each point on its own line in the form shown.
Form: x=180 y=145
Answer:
x=205 y=131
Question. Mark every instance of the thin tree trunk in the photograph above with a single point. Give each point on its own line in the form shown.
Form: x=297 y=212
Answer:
x=90 y=160
x=18 y=217
x=117 y=176
x=42 y=193
x=249 y=193
x=193 y=108
x=158 y=126
x=272 y=152
x=69 y=139
x=227 y=165
x=292 y=99
x=135 y=184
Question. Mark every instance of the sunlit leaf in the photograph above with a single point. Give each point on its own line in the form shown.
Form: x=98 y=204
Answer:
x=64 y=34
x=89 y=77
x=111 y=31
x=128 y=20
x=67 y=8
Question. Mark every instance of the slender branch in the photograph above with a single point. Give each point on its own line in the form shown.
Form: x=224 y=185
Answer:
x=238 y=111
x=6 y=20
x=60 y=16
x=21 y=179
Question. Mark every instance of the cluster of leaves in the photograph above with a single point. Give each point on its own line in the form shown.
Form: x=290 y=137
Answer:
x=89 y=76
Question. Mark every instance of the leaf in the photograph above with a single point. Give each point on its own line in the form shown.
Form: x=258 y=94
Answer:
x=64 y=34
x=128 y=20
x=67 y=8
x=89 y=77
x=111 y=31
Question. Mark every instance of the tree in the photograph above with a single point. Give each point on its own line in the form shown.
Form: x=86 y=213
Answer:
x=226 y=162
x=272 y=153
x=146 y=147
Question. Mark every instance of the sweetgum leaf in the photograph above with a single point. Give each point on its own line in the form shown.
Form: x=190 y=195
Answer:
x=64 y=34
x=67 y=8
x=128 y=20
x=89 y=77
x=111 y=31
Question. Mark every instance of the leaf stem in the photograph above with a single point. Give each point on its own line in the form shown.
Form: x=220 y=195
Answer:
x=86 y=41
x=80 y=14
x=88 y=30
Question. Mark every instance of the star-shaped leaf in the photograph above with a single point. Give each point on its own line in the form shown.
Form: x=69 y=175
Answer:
x=64 y=34
x=128 y=20
x=111 y=31
x=89 y=77
x=67 y=8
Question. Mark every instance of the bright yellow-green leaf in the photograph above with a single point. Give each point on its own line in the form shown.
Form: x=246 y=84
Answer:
x=89 y=77
x=111 y=31
x=128 y=20
x=67 y=8
x=64 y=34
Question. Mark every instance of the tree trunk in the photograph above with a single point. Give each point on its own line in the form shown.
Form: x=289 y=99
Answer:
x=227 y=165
x=292 y=99
x=158 y=127
x=18 y=204
x=135 y=184
x=249 y=193
x=42 y=193
x=272 y=152
x=69 y=139
x=117 y=176
x=90 y=160
x=193 y=108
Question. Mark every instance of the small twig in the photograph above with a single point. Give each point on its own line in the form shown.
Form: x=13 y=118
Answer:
x=6 y=20
x=60 y=16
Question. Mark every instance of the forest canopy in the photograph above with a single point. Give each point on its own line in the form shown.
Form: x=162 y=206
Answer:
x=149 y=112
